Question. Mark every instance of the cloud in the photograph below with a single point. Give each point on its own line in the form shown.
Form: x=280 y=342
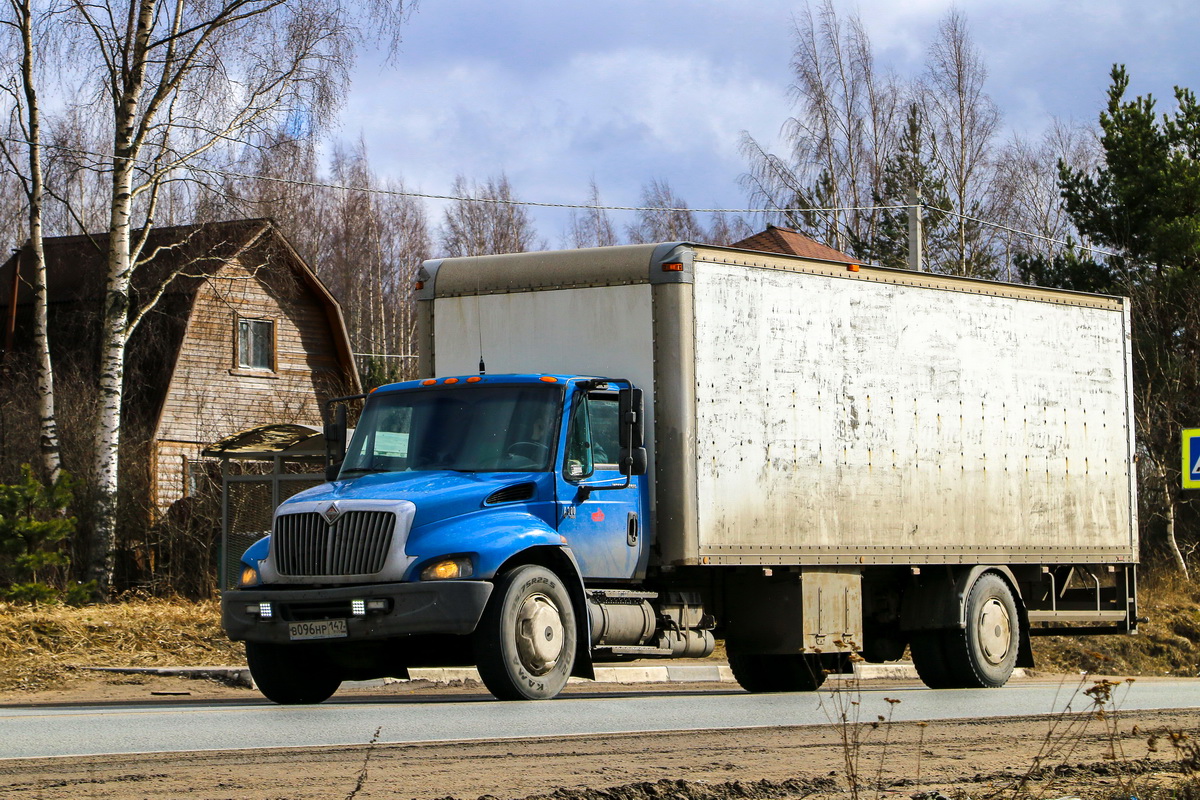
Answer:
x=624 y=116
x=555 y=94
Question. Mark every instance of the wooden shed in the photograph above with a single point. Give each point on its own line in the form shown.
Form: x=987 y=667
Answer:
x=244 y=334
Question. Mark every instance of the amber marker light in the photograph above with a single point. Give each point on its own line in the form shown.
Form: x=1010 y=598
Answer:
x=852 y=267
x=474 y=379
x=419 y=285
x=548 y=379
x=428 y=382
x=672 y=266
x=451 y=380
x=448 y=569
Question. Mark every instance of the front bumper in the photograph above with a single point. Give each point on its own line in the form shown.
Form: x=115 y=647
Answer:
x=450 y=607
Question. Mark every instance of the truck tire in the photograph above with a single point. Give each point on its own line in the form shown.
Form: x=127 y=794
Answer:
x=985 y=653
x=291 y=674
x=525 y=642
x=770 y=672
x=929 y=657
x=980 y=656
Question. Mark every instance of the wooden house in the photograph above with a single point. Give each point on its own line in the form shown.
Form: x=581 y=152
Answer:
x=244 y=334
x=789 y=242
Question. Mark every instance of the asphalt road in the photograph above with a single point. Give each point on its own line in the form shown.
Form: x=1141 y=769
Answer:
x=125 y=729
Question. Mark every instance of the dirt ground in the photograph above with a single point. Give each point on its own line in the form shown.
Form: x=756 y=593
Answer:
x=45 y=655
x=975 y=759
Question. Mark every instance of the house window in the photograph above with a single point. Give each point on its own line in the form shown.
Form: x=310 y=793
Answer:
x=256 y=344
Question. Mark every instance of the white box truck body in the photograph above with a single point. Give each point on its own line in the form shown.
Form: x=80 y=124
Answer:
x=812 y=414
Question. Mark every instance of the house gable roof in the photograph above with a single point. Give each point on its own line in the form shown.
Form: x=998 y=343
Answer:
x=178 y=260
x=793 y=243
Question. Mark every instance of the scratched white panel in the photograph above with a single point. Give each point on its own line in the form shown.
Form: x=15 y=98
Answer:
x=845 y=413
x=603 y=331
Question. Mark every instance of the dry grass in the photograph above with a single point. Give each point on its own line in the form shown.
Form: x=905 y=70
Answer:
x=1169 y=644
x=46 y=645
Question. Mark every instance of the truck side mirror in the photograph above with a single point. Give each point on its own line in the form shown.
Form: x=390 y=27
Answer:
x=632 y=431
x=634 y=462
x=335 y=442
x=632 y=411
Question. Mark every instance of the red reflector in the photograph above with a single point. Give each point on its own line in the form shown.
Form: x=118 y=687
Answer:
x=672 y=266
x=420 y=285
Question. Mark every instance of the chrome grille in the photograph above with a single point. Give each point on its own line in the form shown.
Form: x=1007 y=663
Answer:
x=356 y=544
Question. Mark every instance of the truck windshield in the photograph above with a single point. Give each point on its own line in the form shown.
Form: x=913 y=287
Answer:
x=467 y=428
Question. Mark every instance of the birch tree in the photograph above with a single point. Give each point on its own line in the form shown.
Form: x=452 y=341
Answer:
x=724 y=229
x=487 y=220
x=26 y=122
x=1027 y=175
x=378 y=240
x=284 y=185
x=665 y=217
x=592 y=226
x=840 y=138
x=963 y=121
x=177 y=85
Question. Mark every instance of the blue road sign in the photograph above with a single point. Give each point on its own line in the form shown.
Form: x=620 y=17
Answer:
x=1191 y=458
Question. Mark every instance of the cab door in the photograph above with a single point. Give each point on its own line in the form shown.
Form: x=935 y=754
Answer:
x=603 y=524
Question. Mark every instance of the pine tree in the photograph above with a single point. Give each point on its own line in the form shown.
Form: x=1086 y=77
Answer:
x=910 y=169
x=1143 y=205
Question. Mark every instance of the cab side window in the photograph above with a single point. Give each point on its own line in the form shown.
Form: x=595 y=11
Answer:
x=592 y=439
x=606 y=440
x=578 y=463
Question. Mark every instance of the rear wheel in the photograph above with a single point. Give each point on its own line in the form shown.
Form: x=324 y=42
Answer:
x=771 y=672
x=983 y=654
x=929 y=657
x=292 y=674
x=525 y=642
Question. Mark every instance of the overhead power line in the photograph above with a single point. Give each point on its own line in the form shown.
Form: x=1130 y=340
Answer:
x=455 y=198
x=580 y=206
x=1029 y=234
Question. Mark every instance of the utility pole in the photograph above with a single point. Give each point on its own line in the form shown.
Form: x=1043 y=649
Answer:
x=915 y=259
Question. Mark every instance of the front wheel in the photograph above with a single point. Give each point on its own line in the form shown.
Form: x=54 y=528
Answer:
x=525 y=642
x=291 y=674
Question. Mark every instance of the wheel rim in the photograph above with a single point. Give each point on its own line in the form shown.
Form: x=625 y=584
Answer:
x=995 y=631
x=539 y=634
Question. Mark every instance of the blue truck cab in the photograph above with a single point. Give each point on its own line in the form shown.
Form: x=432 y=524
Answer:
x=495 y=520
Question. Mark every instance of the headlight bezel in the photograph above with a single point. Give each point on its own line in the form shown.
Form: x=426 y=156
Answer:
x=448 y=568
x=250 y=577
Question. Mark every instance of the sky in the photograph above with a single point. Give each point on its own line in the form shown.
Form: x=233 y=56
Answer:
x=557 y=93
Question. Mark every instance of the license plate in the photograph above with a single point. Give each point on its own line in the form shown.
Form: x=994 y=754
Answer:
x=317 y=629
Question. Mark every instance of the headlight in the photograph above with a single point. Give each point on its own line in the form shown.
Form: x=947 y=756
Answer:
x=249 y=577
x=448 y=569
